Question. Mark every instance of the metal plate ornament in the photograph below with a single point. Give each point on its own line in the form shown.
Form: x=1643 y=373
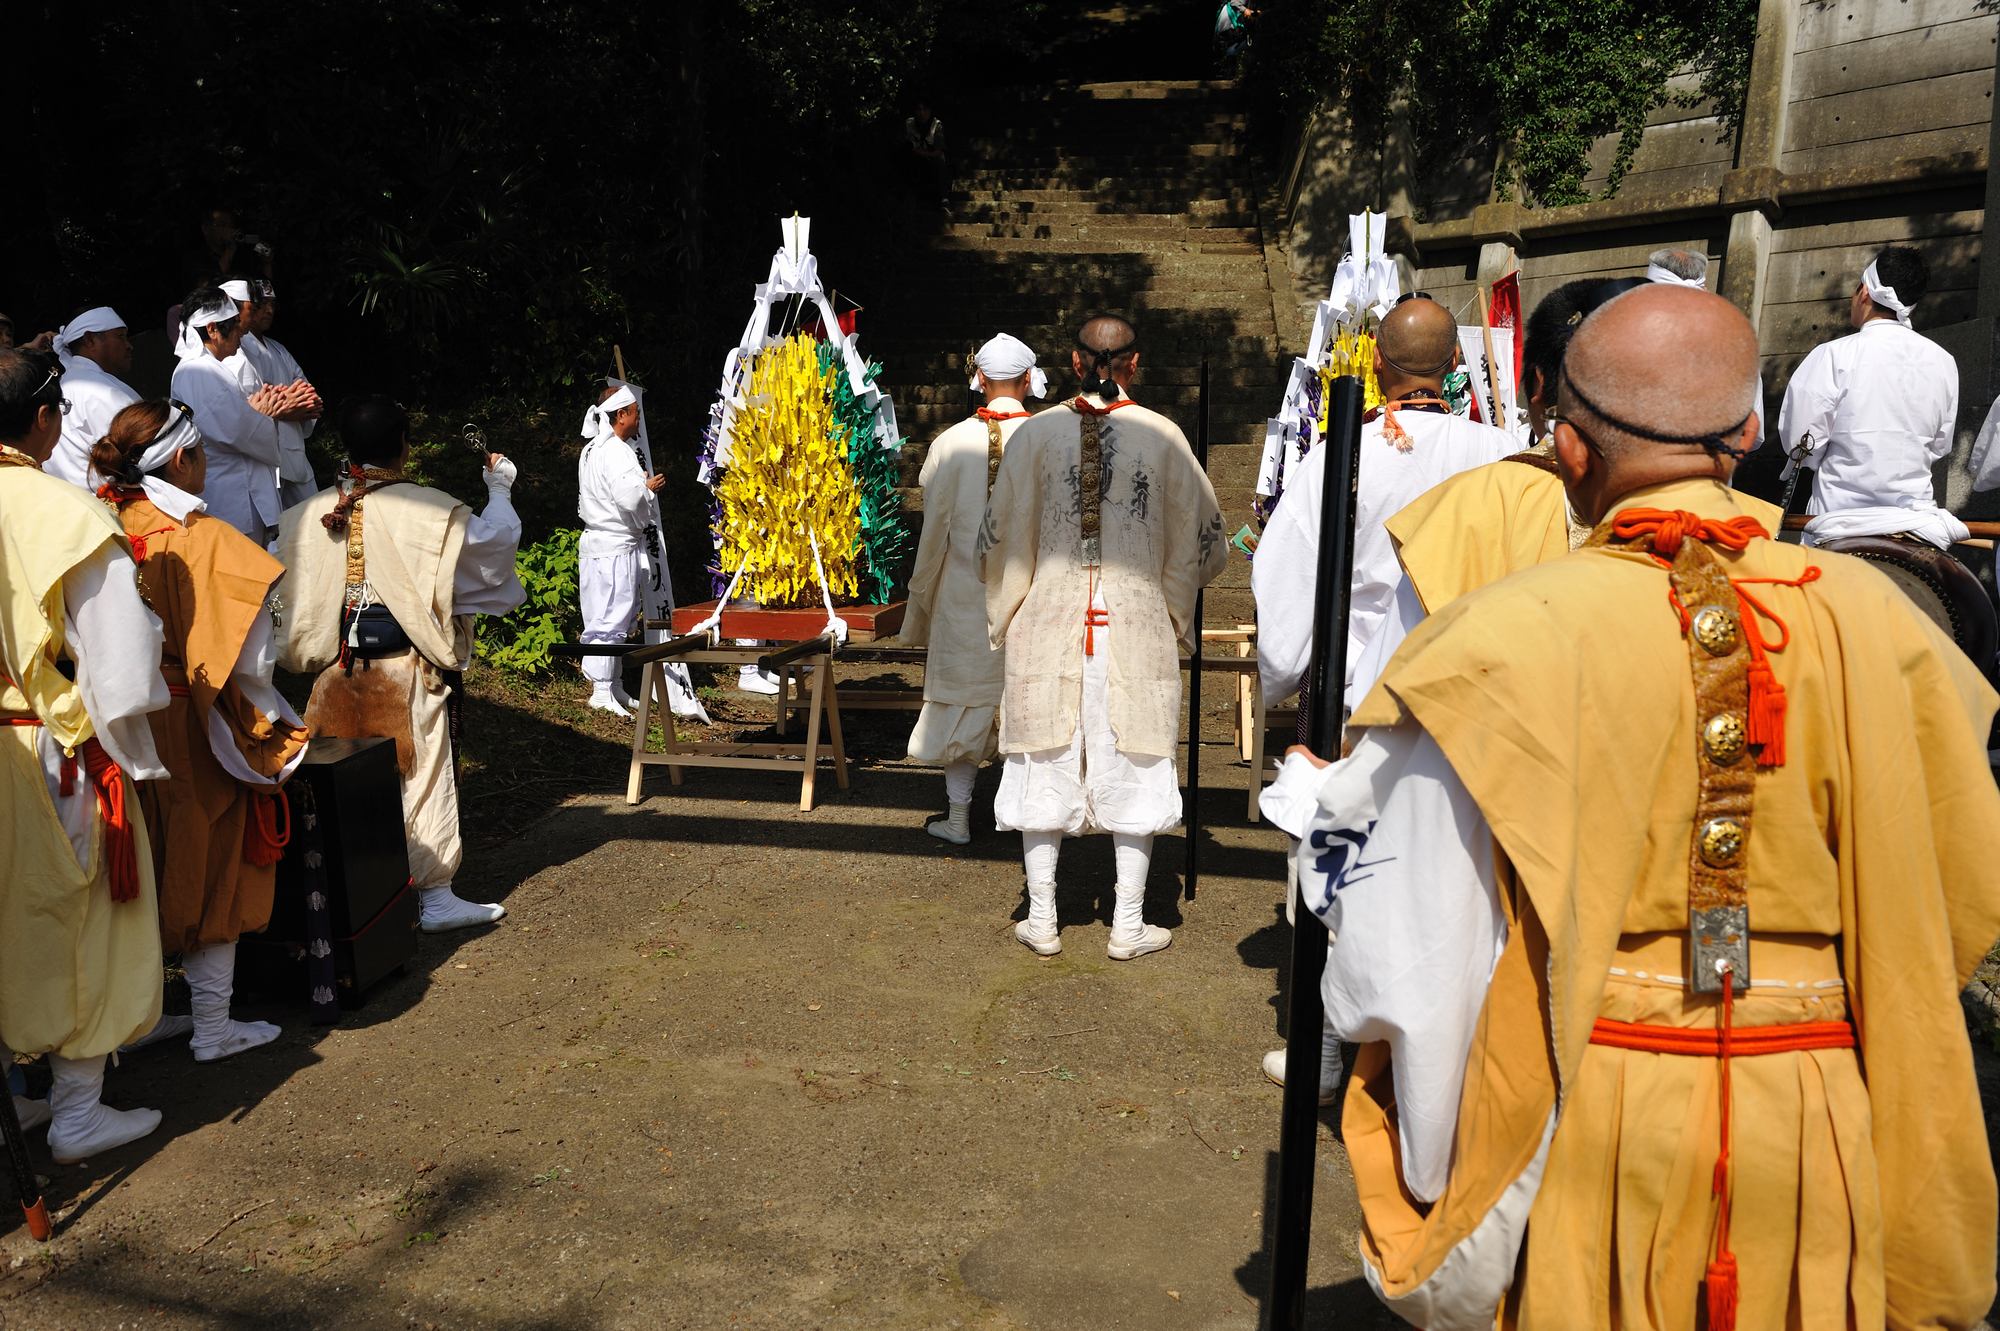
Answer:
x=1718 y=936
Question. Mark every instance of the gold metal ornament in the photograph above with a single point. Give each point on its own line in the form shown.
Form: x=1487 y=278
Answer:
x=1715 y=629
x=1724 y=738
x=1721 y=841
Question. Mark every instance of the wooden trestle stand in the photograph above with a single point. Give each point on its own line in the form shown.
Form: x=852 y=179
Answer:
x=804 y=647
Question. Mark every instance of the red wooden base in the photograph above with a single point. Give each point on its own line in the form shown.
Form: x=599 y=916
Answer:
x=865 y=623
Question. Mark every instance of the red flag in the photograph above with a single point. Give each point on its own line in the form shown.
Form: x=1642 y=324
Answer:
x=1505 y=312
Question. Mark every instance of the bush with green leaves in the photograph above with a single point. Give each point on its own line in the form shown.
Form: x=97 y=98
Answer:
x=1533 y=83
x=521 y=641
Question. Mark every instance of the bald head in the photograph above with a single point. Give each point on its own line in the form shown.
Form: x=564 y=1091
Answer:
x=1656 y=386
x=1418 y=342
x=1106 y=352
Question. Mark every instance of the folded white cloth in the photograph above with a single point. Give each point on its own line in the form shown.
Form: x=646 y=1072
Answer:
x=1934 y=525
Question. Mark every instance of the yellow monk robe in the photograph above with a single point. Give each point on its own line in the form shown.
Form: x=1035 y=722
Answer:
x=1483 y=524
x=207 y=582
x=79 y=972
x=1863 y=1192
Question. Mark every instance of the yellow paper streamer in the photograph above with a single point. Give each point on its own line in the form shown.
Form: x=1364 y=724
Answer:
x=787 y=476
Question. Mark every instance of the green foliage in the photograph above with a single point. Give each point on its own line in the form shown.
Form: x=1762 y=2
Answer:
x=1540 y=80
x=885 y=532
x=520 y=641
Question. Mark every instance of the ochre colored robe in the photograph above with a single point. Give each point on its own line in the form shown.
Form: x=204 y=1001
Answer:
x=1863 y=1190
x=207 y=583
x=79 y=972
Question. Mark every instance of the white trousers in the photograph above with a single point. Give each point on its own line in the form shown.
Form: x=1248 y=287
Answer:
x=608 y=587
x=1089 y=785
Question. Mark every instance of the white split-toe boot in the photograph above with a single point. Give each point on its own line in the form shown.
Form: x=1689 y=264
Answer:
x=1038 y=932
x=1131 y=936
x=211 y=976
x=82 y=1124
x=440 y=910
x=1329 y=1066
x=752 y=680
x=605 y=700
x=955 y=828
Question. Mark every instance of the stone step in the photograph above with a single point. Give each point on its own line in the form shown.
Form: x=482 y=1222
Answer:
x=1168 y=198
x=1109 y=228
x=1108 y=245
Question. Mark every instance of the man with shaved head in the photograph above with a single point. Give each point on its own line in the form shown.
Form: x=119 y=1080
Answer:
x=1407 y=446
x=1099 y=530
x=1653 y=876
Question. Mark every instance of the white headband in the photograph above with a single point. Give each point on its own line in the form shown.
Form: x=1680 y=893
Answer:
x=598 y=418
x=220 y=312
x=236 y=289
x=1885 y=296
x=102 y=319
x=179 y=432
x=1655 y=273
x=1007 y=357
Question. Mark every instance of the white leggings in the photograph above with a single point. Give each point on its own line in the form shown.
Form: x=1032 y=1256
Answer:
x=1040 y=850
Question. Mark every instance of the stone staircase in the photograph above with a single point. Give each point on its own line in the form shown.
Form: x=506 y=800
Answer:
x=1136 y=198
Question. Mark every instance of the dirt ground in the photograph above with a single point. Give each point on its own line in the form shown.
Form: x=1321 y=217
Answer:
x=729 y=1065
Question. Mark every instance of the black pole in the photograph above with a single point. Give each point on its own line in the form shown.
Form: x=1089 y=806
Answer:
x=33 y=1208
x=1193 y=816
x=1298 y=1137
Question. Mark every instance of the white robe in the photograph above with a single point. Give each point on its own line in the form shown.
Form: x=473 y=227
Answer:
x=243 y=447
x=963 y=674
x=1396 y=860
x=275 y=364
x=1286 y=566
x=95 y=396
x=1090 y=738
x=615 y=506
x=1880 y=408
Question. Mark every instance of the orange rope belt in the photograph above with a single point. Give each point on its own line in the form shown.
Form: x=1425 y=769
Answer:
x=1744 y=1041
x=121 y=847
x=987 y=414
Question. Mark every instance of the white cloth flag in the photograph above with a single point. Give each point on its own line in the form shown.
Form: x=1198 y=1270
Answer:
x=1472 y=341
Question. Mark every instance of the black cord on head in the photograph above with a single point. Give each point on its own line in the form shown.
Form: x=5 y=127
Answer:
x=1103 y=385
x=1716 y=441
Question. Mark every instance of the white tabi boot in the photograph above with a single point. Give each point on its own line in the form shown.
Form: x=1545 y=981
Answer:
x=440 y=910
x=752 y=680
x=170 y=1026
x=604 y=698
x=955 y=828
x=1131 y=936
x=1038 y=933
x=30 y=1113
x=211 y=973
x=622 y=698
x=1329 y=1066
x=83 y=1125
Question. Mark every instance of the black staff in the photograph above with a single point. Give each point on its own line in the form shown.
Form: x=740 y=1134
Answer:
x=1298 y=1136
x=1193 y=818
x=25 y=1184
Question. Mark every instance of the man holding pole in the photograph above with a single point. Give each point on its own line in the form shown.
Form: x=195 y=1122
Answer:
x=614 y=499
x=1100 y=530
x=1628 y=846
